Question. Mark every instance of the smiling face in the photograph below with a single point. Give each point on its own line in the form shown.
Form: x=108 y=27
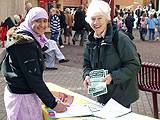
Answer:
x=40 y=25
x=98 y=24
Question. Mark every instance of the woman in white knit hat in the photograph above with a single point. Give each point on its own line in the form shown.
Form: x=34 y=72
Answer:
x=120 y=59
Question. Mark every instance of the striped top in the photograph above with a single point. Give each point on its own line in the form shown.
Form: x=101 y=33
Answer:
x=55 y=24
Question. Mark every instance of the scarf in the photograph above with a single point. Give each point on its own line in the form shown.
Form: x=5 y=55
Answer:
x=34 y=14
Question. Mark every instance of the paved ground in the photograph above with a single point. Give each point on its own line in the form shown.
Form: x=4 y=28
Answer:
x=69 y=74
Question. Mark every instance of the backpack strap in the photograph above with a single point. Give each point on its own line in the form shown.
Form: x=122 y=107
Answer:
x=115 y=39
x=115 y=36
x=115 y=43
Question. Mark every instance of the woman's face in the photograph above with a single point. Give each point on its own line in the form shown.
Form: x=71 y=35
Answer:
x=40 y=25
x=98 y=24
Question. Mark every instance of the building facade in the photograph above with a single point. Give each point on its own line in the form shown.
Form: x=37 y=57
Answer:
x=132 y=4
x=47 y=4
x=12 y=7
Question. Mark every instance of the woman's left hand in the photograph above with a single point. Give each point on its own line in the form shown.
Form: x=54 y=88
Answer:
x=108 y=79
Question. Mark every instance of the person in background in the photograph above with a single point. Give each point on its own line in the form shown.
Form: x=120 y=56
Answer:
x=158 y=26
x=79 y=25
x=23 y=71
x=129 y=22
x=152 y=22
x=17 y=20
x=138 y=13
x=121 y=13
x=51 y=51
x=122 y=62
x=51 y=54
x=8 y=22
x=54 y=24
x=28 y=6
x=68 y=29
x=63 y=24
x=143 y=26
x=119 y=22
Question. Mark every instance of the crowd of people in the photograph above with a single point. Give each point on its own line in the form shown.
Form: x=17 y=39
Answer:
x=146 y=18
x=65 y=22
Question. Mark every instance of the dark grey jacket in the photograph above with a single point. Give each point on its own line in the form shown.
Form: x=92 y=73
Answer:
x=122 y=65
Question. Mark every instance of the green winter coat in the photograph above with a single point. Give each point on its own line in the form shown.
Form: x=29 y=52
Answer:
x=122 y=63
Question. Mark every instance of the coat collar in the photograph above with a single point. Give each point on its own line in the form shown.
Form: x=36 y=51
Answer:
x=107 y=40
x=14 y=37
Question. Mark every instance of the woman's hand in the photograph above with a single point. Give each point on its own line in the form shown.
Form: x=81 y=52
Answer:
x=62 y=96
x=60 y=107
x=66 y=99
x=108 y=79
x=86 y=82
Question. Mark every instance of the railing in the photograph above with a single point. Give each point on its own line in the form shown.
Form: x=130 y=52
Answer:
x=149 y=80
x=3 y=32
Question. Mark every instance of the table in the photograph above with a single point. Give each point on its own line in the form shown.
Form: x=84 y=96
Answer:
x=82 y=100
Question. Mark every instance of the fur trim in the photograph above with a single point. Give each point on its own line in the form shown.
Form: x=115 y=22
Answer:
x=13 y=37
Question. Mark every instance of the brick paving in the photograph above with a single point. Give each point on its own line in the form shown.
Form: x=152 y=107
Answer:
x=69 y=74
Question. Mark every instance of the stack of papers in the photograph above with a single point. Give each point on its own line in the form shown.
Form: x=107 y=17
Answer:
x=74 y=111
x=112 y=110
